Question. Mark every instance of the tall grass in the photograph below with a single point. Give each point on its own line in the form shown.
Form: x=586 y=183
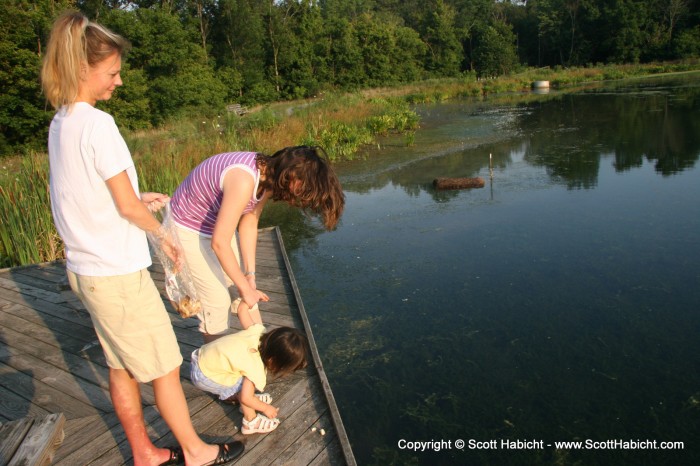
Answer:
x=27 y=235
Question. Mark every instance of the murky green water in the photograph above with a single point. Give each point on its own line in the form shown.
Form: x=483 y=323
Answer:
x=559 y=303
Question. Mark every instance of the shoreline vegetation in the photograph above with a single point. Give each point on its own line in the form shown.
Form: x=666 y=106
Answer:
x=343 y=124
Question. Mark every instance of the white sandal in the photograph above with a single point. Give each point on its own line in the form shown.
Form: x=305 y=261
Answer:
x=264 y=425
x=264 y=397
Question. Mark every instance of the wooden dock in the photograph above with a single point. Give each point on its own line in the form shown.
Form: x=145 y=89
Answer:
x=51 y=362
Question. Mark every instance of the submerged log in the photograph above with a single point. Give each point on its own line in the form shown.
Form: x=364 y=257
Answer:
x=458 y=183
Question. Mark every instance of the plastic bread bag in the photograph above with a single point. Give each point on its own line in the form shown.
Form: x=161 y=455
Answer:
x=179 y=285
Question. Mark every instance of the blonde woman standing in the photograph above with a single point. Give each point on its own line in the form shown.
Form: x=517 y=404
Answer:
x=103 y=221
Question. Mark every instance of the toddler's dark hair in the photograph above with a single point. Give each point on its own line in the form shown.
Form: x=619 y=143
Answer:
x=283 y=350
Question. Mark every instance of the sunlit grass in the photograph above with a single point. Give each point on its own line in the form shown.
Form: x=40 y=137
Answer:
x=27 y=235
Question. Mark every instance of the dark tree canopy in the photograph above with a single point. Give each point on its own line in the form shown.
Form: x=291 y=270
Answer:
x=202 y=54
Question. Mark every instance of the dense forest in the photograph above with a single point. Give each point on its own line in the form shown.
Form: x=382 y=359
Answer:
x=195 y=56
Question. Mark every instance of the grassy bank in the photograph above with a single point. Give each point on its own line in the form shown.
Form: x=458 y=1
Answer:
x=340 y=123
x=439 y=90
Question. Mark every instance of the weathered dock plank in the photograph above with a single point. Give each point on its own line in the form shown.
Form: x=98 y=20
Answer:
x=51 y=362
x=31 y=441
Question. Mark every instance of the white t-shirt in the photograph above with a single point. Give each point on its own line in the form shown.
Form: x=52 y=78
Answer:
x=85 y=150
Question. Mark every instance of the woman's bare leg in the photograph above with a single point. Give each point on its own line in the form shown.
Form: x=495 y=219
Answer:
x=172 y=405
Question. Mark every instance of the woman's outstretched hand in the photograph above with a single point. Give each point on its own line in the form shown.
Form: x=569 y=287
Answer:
x=154 y=201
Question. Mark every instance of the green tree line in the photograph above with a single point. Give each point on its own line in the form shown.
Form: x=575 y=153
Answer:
x=195 y=56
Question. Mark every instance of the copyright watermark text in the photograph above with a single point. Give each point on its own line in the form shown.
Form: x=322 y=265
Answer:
x=533 y=444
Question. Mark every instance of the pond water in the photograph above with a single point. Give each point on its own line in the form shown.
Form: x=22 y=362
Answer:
x=561 y=302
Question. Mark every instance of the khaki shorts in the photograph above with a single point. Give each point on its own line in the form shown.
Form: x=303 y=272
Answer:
x=131 y=323
x=215 y=290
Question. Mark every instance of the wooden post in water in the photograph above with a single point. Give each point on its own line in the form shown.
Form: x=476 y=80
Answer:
x=491 y=174
x=458 y=183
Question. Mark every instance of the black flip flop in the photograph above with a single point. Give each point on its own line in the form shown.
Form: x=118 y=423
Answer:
x=227 y=453
x=176 y=457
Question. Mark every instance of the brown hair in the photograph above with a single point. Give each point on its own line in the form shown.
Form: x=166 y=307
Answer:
x=74 y=43
x=320 y=189
x=283 y=350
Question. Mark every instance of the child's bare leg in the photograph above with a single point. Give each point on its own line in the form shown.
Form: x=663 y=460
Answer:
x=255 y=315
x=249 y=413
x=246 y=315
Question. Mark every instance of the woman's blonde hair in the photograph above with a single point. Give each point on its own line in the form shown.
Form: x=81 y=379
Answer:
x=74 y=43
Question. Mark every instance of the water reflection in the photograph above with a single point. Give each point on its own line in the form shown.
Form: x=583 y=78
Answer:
x=569 y=134
x=535 y=308
x=660 y=127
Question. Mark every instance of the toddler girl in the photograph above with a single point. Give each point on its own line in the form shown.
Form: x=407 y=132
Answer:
x=234 y=366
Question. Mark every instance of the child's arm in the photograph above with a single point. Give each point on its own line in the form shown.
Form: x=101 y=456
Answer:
x=249 y=399
x=248 y=316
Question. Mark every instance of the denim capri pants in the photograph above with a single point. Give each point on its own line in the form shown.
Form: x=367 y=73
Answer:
x=203 y=383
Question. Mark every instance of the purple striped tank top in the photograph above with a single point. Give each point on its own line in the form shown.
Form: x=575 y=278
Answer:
x=196 y=202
